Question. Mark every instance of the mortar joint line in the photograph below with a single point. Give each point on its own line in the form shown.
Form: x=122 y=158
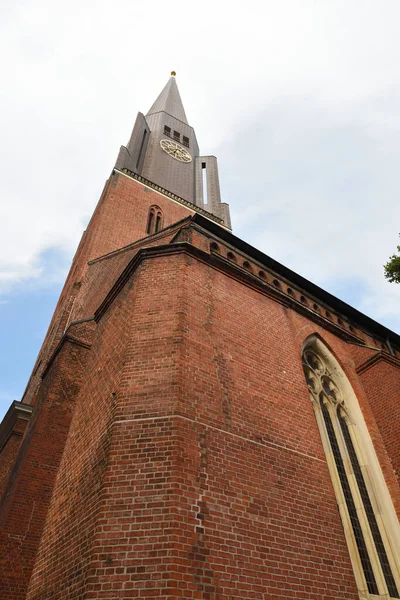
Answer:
x=224 y=431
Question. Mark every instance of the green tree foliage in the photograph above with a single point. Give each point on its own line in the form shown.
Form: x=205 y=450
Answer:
x=392 y=268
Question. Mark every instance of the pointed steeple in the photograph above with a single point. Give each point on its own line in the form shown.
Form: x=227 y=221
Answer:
x=158 y=142
x=169 y=101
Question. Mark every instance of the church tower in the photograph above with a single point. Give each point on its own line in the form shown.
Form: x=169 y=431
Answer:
x=201 y=421
x=164 y=133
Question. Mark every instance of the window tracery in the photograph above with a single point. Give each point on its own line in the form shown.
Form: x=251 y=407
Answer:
x=374 y=561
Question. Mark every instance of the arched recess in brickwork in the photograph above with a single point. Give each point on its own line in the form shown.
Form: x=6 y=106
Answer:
x=154 y=220
x=370 y=524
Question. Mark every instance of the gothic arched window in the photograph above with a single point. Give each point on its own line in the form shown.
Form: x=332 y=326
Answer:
x=158 y=222
x=154 y=220
x=370 y=524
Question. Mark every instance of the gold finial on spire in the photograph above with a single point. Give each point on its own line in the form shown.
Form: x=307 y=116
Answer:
x=173 y=73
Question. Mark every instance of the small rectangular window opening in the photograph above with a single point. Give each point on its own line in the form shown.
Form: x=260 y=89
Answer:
x=185 y=141
x=204 y=174
x=167 y=131
x=141 y=148
x=177 y=135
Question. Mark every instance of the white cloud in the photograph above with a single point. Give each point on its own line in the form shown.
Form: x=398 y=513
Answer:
x=299 y=100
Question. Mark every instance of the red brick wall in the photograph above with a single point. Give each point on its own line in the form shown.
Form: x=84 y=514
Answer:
x=66 y=558
x=194 y=466
x=121 y=215
x=381 y=382
x=9 y=452
x=119 y=219
x=28 y=492
x=102 y=274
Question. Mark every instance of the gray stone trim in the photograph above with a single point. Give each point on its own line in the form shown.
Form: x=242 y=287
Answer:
x=172 y=196
x=17 y=410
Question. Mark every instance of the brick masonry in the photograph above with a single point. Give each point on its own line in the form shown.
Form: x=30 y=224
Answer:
x=119 y=220
x=173 y=451
x=8 y=453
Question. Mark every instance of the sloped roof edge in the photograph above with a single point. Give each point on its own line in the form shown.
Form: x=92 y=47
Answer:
x=313 y=289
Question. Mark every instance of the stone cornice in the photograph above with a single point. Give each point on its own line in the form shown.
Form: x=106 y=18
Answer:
x=173 y=197
x=17 y=410
x=378 y=357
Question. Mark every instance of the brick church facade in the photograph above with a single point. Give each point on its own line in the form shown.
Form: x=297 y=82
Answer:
x=201 y=422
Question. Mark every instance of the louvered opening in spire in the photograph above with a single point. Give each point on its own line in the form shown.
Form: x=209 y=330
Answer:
x=169 y=101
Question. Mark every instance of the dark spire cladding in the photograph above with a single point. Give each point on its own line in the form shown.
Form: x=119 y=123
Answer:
x=169 y=101
x=163 y=149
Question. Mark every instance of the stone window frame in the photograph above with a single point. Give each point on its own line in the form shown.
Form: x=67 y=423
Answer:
x=346 y=402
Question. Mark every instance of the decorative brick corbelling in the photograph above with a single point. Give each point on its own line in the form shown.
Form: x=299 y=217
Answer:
x=232 y=270
x=364 y=323
x=341 y=323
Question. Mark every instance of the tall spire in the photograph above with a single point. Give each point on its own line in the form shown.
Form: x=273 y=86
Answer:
x=152 y=152
x=169 y=101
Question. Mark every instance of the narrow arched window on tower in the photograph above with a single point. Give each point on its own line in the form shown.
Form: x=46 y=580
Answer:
x=372 y=534
x=150 y=220
x=154 y=220
x=158 y=221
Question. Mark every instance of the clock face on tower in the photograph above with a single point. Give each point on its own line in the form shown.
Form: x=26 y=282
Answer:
x=176 y=151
